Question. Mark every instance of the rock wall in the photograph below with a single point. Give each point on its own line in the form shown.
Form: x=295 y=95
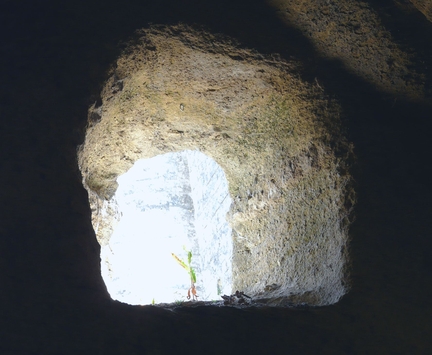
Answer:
x=277 y=139
x=353 y=33
x=425 y=7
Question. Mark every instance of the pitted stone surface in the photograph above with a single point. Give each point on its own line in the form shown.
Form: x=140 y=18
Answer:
x=276 y=138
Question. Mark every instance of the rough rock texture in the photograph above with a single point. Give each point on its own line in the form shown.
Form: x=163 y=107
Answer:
x=352 y=32
x=276 y=138
x=424 y=6
x=53 y=300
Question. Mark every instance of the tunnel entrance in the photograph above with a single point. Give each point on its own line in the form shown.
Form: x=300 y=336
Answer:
x=176 y=91
x=172 y=211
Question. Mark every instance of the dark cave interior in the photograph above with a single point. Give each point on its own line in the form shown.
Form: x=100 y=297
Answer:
x=54 y=59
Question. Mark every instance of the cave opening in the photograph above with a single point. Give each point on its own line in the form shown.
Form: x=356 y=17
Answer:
x=172 y=234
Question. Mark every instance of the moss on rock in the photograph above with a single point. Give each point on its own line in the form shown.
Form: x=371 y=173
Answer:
x=277 y=138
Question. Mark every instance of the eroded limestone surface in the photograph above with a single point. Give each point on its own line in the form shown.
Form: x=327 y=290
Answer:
x=276 y=138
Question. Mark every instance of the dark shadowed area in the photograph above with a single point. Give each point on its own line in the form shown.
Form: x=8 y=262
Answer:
x=54 y=59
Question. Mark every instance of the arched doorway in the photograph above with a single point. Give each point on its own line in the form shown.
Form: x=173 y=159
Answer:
x=173 y=203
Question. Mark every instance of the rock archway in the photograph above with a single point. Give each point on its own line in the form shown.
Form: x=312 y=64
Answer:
x=174 y=203
x=276 y=138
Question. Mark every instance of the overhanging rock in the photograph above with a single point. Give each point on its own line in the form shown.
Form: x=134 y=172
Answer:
x=276 y=138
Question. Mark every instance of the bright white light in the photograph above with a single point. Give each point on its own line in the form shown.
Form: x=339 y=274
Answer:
x=169 y=203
